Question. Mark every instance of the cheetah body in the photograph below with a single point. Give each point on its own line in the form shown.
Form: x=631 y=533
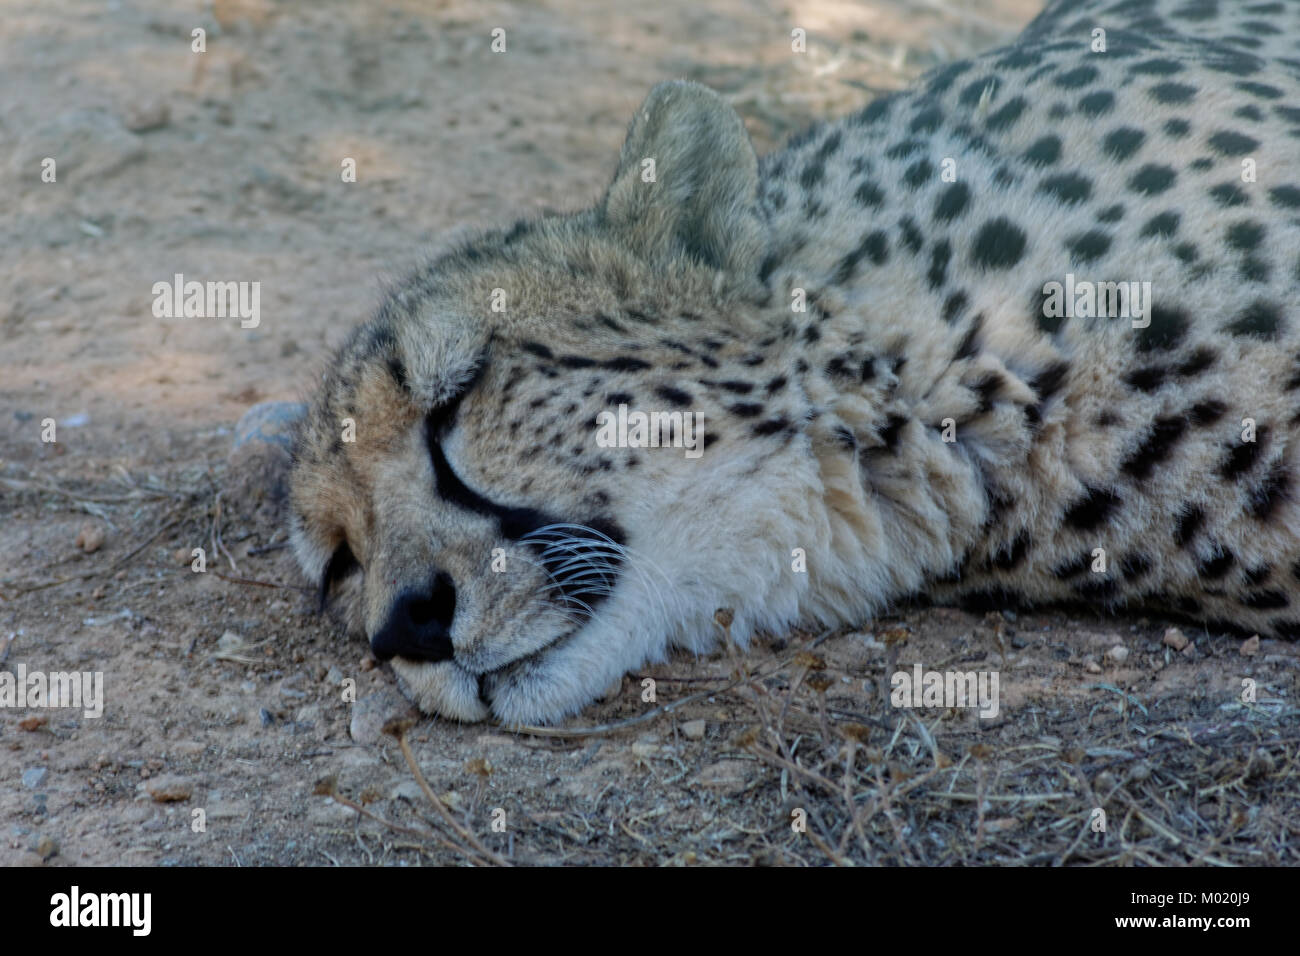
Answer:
x=896 y=398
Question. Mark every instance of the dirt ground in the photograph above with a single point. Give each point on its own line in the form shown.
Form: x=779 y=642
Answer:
x=224 y=691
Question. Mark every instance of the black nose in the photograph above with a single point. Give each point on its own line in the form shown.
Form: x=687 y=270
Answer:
x=419 y=624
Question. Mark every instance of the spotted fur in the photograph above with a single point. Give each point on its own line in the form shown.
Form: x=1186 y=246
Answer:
x=837 y=312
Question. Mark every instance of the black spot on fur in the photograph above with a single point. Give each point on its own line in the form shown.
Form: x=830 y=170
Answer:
x=536 y=348
x=1156 y=67
x=1050 y=380
x=812 y=174
x=625 y=363
x=1228 y=143
x=1119 y=144
x=912 y=237
x=1111 y=213
x=1155 y=448
x=1271 y=492
x=1177 y=128
x=953 y=306
x=1097 y=104
x=1089 y=245
x=1287 y=630
x=735 y=387
x=1244 y=455
x=1228 y=195
x=918 y=174
x=973 y=92
x=1164 y=225
x=927 y=121
x=1288 y=197
x=1147 y=379
x=746 y=409
x=904 y=149
x=1189 y=522
x=1197 y=362
x=1260 y=319
x=1074 y=79
x=939 y=257
x=874 y=245
x=1074 y=567
x=952 y=202
x=1067 y=187
x=987 y=389
x=966 y=348
x=1245 y=236
x=943 y=79
x=1171 y=93
x=868 y=194
x=874 y=112
x=771 y=426
x=1265 y=600
x=1257 y=576
x=1166 y=329
x=1262 y=90
x=1093 y=509
x=1004 y=117
x=1135 y=565
x=673 y=396
x=1206 y=413
x=1043 y=151
x=1152 y=179
x=1217 y=566
x=999 y=244
x=889 y=432
x=1010 y=554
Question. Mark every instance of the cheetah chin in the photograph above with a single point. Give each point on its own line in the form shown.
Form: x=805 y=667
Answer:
x=1024 y=334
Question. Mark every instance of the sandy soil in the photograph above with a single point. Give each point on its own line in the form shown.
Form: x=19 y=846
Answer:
x=223 y=688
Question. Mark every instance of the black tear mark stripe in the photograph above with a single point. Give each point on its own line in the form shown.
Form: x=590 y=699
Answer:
x=514 y=522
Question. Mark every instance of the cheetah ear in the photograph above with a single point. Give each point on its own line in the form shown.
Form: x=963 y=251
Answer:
x=698 y=195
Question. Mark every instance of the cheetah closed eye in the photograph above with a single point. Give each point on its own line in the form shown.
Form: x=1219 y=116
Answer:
x=1026 y=333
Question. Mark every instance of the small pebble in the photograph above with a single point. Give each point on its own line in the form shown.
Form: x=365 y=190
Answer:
x=725 y=776
x=694 y=729
x=1175 y=638
x=169 y=788
x=142 y=117
x=34 y=777
x=90 y=538
x=1250 y=646
x=372 y=712
x=1117 y=654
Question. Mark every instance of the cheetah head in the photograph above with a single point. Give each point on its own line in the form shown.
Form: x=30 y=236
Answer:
x=450 y=493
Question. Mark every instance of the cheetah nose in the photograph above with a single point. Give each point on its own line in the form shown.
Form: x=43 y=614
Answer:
x=419 y=625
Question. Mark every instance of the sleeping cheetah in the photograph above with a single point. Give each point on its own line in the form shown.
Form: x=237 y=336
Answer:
x=1027 y=333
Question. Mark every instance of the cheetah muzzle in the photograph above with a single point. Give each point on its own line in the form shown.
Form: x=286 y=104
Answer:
x=1024 y=334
